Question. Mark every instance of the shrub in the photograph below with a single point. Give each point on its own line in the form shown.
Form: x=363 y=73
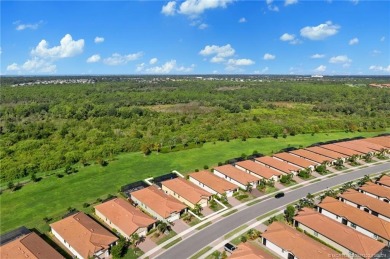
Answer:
x=85 y=205
x=205 y=167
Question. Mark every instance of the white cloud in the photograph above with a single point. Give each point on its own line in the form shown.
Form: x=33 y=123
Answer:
x=94 y=58
x=194 y=8
x=287 y=37
x=153 y=61
x=317 y=56
x=242 y=20
x=383 y=39
x=117 y=59
x=22 y=26
x=202 y=26
x=342 y=59
x=321 y=31
x=290 y=2
x=271 y=7
x=353 y=41
x=268 y=56
x=380 y=68
x=218 y=51
x=321 y=68
x=169 y=9
x=140 y=67
x=217 y=59
x=169 y=67
x=13 y=67
x=67 y=48
x=99 y=39
x=240 y=62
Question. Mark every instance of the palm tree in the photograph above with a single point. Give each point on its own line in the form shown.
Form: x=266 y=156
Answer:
x=162 y=226
x=249 y=187
x=363 y=180
x=197 y=209
x=134 y=239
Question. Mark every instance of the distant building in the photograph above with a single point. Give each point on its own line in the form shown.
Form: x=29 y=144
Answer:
x=384 y=181
x=377 y=191
x=259 y=170
x=276 y=164
x=212 y=183
x=236 y=176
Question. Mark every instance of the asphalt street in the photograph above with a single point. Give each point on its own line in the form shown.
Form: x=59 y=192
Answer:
x=203 y=238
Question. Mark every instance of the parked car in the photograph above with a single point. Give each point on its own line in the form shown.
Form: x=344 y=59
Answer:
x=229 y=247
x=279 y=195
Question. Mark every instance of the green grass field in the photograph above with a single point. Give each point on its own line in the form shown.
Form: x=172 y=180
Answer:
x=52 y=195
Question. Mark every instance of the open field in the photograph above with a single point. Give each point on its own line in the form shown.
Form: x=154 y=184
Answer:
x=52 y=196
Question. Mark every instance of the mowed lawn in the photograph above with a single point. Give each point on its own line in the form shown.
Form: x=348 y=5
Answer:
x=52 y=196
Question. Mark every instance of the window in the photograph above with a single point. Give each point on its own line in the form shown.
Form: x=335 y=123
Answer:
x=351 y=253
x=353 y=225
x=375 y=236
x=64 y=241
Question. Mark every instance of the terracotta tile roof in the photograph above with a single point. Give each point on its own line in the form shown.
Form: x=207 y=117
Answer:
x=370 y=145
x=376 y=189
x=236 y=174
x=383 y=141
x=28 y=246
x=385 y=180
x=259 y=169
x=326 y=152
x=353 y=146
x=342 y=150
x=277 y=164
x=339 y=233
x=363 y=219
x=214 y=182
x=248 y=251
x=84 y=234
x=187 y=190
x=295 y=242
x=359 y=198
x=310 y=155
x=158 y=201
x=295 y=160
x=123 y=215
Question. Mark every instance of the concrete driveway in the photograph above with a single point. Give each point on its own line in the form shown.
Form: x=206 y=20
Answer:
x=147 y=244
x=179 y=226
x=233 y=201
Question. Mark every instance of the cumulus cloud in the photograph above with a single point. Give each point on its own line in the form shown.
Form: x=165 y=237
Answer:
x=321 y=68
x=342 y=59
x=268 y=56
x=321 y=31
x=290 y=2
x=353 y=41
x=287 y=37
x=242 y=20
x=67 y=48
x=153 y=61
x=168 y=67
x=13 y=67
x=194 y=8
x=118 y=59
x=99 y=39
x=23 y=26
x=94 y=58
x=240 y=62
x=34 y=65
x=317 y=56
x=218 y=51
x=217 y=59
x=169 y=9
x=380 y=68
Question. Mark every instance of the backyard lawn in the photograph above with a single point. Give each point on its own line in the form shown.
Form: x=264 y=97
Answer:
x=52 y=195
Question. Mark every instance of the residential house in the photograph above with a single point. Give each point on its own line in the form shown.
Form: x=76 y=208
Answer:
x=258 y=170
x=249 y=251
x=384 y=181
x=120 y=215
x=343 y=150
x=362 y=142
x=83 y=236
x=236 y=176
x=289 y=243
x=350 y=242
x=21 y=243
x=186 y=192
x=312 y=156
x=212 y=183
x=377 y=191
x=296 y=161
x=366 y=203
x=158 y=204
x=333 y=156
x=275 y=164
x=355 y=218
x=383 y=141
x=357 y=147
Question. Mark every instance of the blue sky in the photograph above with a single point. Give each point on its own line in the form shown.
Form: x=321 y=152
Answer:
x=195 y=37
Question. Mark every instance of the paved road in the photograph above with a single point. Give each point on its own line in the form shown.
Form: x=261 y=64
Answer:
x=196 y=242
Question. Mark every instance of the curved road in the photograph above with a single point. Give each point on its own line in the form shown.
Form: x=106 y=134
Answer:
x=196 y=242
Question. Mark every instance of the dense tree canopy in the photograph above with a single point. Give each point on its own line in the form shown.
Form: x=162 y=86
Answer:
x=45 y=127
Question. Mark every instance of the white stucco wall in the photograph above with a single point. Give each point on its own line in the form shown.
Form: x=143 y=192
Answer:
x=227 y=178
x=67 y=245
x=276 y=249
